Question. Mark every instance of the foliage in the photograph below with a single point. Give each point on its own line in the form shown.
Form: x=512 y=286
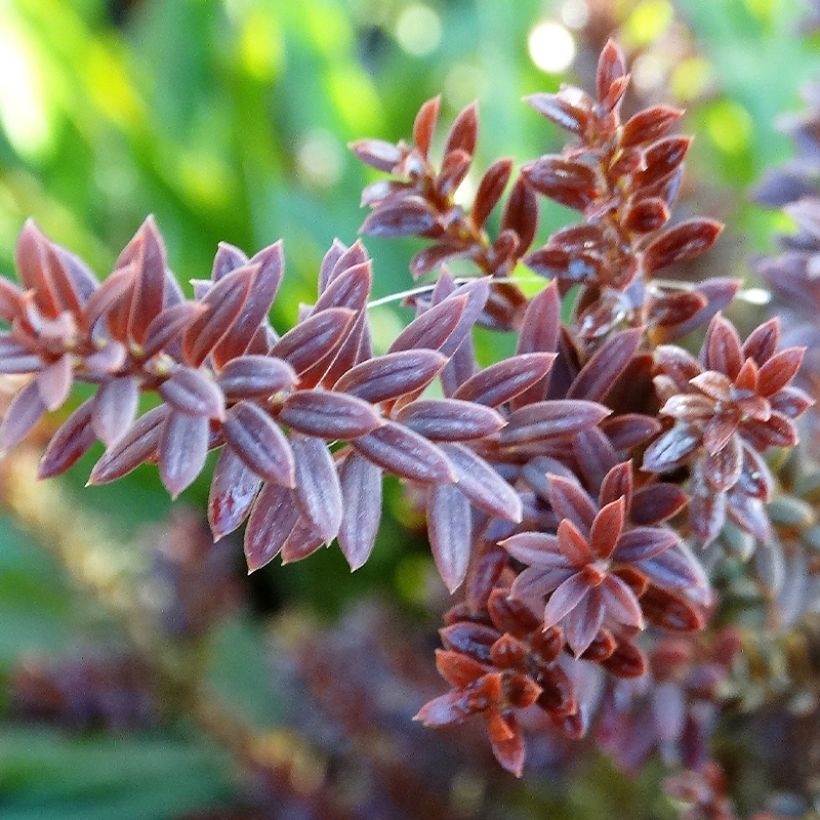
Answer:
x=552 y=478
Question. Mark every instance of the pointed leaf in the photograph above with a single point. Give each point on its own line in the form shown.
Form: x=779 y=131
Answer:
x=257 y=440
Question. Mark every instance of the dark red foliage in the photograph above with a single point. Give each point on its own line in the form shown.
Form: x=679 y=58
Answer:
x=573 y=563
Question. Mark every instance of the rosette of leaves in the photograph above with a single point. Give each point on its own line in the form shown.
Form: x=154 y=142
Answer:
x=731 y=405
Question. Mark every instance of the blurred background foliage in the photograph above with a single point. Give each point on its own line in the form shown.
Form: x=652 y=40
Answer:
x=229 y=121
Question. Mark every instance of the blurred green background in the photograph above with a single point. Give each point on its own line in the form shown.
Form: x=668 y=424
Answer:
x=229 y=121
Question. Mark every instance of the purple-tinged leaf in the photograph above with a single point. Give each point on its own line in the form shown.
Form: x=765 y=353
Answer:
x=606 y=365
x=655 y=503
x=348 y=289
x=718 y=291
x=707 y=508
x=762 y=342
x=30 y=263
x=17 y=359
x=675 y=568
x=501 y=382
x=606 y=528
x=273 y=517
x=233 y=490
x=715 y=385
x=463 y=132
x=630 y=430
x=490 y=190
x=393 y=375
x=454 y=169
x=671 y=449
x=509 y=750
x=449 y=527
x=331 y=258
x=681 y=243
x=689 y=406
x=570 y=502
x=377 y=153
x=61 y=282
x=719 y=429
x=224 y=301
x=594 y=455
x=115 y=407
x=673 y=309
x=10 y=295
x=445 y=710
x=361 y=484
x=149 y=290
x=721 y=349
x=676 y=363
x=520 y=216
x=620 y=602
x=301 y=543
x=661 y=159
x=256 y=438
x=722 y=469
x=792 y=402
x=138 y=445
x=434 y=256
x=565 y=598
x=25 y=410
x=329 y=415
x=248 y=377
x=318 y=493
x=183 y=446
x=617 y=483
x=776 y=431
x=573 y=544
x=482 y=485
x=113 y=292
x=450 y=419
x=536 y=549
x=584 y=622
x=312 y=339
x=539 y=334
x=54 y=382
x=348 y=355
x=476 y=293
x=406 y=454
x=643 y=543
x=425 y=124
x=169 y=326
x=547 y=419
x=779 y=370
x=408 y=216
x=227 y=258
x=71 y=441
x=571 y=183
x=649 y=124
x=432 y=328
x=611 y=67
x=350 y=257
x=560 y=110
x=191 y=392
x=271 y=264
